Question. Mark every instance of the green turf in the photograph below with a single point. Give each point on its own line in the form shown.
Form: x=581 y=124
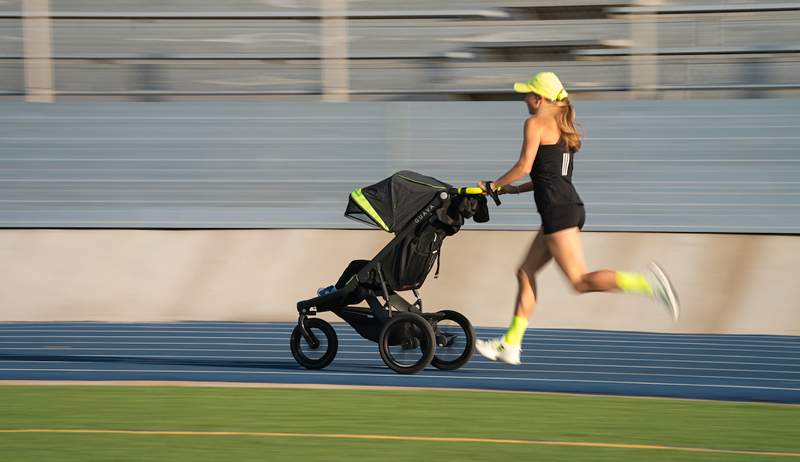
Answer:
x=707 y=424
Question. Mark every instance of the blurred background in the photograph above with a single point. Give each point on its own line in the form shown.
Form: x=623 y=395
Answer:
x=204 y=115
x=190 y=160
x=389 y=50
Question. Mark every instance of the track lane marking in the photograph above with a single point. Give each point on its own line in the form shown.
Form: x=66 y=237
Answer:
x=549 y=350
x=540 y=340
x=398 y=376
x=245 y=326
x=287 y=327
x=376 y=362
x=479 y=361
x=647 y=360
x=430 y=439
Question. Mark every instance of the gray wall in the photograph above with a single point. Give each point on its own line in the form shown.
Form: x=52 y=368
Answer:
x=728 y=284
x=696 y=166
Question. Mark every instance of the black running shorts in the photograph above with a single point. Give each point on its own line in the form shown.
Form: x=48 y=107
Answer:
x=558 y=217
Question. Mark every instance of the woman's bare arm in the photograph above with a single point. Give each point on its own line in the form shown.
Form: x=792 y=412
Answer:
x=523 y=188
x=527 y=155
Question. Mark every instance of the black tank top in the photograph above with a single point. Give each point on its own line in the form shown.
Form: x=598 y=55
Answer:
x=552 y=177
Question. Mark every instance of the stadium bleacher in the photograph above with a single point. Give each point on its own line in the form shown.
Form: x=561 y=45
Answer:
x=726 y=166
x=463 y=49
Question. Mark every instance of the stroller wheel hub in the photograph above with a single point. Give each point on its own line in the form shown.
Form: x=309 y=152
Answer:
x=411 y=343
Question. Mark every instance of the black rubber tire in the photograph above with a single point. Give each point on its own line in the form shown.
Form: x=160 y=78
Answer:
x=427 y=342
x=330 y=353
x=469 y=331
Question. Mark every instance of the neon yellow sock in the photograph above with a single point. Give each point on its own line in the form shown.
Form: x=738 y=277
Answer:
x=633 y=283
x=516 y=331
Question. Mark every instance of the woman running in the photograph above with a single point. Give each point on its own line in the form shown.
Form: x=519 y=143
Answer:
x=550 y=143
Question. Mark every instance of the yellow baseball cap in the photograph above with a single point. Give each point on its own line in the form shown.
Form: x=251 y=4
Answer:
x=545 y=84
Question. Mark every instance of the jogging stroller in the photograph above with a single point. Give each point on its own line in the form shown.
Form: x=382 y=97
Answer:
x=421 y=211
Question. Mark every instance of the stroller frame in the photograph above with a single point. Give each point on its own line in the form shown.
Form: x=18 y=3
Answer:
x=390 y=319
x=355 y=290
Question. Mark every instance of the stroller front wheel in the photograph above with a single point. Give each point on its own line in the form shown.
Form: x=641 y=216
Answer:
x=407 y=343
x=308 y=356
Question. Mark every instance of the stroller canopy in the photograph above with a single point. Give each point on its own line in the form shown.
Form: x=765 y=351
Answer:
x=391 y=203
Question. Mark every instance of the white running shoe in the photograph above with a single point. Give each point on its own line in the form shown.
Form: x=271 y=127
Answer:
x=664 y=292
x=496 y=348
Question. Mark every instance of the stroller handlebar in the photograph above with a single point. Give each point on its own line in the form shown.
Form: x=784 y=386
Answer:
x=472 y=191
x=476 y=191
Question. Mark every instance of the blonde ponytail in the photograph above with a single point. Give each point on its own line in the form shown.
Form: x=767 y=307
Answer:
x=566 y=123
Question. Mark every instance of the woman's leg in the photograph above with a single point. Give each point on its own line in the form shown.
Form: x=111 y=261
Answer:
x=567 y=249
x=537 y=257
x=507 y=348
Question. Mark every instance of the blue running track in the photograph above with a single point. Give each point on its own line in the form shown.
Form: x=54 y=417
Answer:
x=726 y=367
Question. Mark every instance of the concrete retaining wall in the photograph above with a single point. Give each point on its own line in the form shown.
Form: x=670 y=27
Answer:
x=727 y=283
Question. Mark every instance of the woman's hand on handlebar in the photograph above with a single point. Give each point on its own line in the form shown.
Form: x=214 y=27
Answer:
x=507 y=189
x=482 y=185
x=493 y=193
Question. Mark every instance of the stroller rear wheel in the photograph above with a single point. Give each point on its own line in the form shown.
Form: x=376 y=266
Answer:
x=308 y=356
x=407 y=343
x=455 y=341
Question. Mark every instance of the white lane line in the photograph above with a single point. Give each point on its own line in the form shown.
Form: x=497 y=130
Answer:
x=401 y=377
x=178 y=333
x=345 y=330
x=518 y=371
x=234 y=325
x=340 y=325
x=550 y=350
x=358 y=341
x=735 y=343
x=651 y=334
x=479 y=361
x=372 y=347
x=185 y=337
x=273 y=328
x=599 y=358
x=733 y=347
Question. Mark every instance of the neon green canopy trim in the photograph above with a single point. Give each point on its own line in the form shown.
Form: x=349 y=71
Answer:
x=362 y=202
